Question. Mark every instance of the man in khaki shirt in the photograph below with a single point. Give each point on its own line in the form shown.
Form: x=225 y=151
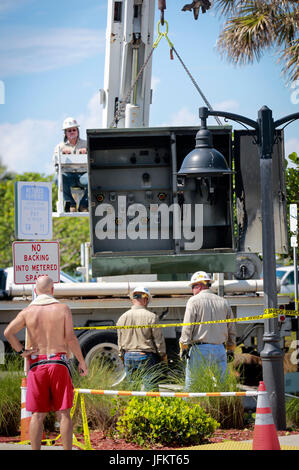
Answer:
x=205 y=343
x=140 y=347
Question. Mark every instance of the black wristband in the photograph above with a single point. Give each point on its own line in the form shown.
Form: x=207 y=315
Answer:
x=21 y=352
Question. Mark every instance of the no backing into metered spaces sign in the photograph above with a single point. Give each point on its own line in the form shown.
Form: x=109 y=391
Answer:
x=34 y=259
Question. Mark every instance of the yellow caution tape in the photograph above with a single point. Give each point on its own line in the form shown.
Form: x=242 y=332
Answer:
x=269 y=313
x=280 y=311
x=87 y=444
x=85 y=425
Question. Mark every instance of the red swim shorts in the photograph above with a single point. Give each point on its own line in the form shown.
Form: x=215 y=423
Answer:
x=49 y=385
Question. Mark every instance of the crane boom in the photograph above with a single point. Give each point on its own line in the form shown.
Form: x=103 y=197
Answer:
x=129 y=41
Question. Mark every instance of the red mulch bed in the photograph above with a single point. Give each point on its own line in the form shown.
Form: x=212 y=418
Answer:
x=100 y=442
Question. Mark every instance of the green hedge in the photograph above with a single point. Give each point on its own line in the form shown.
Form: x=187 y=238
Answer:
x=168 y=421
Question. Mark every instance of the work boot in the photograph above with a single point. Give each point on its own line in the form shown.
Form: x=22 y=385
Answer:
x=73 y=209
x=83 y=209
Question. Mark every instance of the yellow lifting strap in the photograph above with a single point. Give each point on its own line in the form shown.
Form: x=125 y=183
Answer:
x=161 y=35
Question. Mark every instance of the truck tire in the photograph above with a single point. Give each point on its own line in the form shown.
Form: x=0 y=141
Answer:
x=101 y=346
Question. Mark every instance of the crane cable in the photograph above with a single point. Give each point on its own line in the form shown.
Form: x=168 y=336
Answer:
x=122 y=104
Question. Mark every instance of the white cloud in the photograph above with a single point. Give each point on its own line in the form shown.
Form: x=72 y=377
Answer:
x=93 y=118
x=155 y=83
x=227 y=105
x=183 y=117
x=28 y=51
x=28 y=145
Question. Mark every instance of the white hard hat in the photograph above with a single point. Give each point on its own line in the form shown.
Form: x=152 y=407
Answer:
x=142 y=290
x=199 y=276
x=68 y=123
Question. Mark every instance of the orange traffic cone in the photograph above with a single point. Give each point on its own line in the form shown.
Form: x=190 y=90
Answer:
x=25 y=415
x=264 y=435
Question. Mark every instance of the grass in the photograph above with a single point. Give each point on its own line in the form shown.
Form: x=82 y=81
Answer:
x=228 y=411
x=103 y=411
x=292 y=412
x=10 y=397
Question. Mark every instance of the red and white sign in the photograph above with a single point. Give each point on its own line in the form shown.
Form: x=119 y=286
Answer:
x=34 y=259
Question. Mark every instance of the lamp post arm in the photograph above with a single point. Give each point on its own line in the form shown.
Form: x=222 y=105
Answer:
x=290 y=117
x=205 y=112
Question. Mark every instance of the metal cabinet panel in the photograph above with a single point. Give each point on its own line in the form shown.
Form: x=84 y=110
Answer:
x=248 y=193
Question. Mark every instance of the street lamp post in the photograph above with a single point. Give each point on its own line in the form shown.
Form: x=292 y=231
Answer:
x=271 y=355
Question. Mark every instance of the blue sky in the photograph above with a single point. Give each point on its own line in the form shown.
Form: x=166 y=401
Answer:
x=52 y=56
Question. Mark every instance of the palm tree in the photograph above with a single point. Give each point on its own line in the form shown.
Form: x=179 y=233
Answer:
x=253 y=26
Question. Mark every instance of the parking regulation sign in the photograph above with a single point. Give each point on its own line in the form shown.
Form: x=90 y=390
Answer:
x=34 y=259
x=33 y=210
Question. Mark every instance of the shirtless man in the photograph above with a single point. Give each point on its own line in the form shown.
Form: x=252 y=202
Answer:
x=50 y=337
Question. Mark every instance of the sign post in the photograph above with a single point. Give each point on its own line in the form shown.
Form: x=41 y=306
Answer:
x=33 y=221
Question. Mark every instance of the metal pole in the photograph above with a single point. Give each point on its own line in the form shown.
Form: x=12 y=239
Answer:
x=295 y=277
x=294 y=245
x=296 y=294
x=271 y=355
x=86 y=257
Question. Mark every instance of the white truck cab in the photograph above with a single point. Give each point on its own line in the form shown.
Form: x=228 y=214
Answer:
x=286 y=276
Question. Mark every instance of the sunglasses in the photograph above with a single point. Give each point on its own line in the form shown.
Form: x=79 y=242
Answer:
x=72 y=130
x=140 y=296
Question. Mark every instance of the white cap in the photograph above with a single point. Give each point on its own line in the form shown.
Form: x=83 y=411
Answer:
x=68 y=123
x=142 y=290
x=199 y=276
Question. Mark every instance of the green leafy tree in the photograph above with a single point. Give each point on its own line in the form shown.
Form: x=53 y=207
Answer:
x=292 y=187
x=4 y=173
x=70 y=232
x=292 y=179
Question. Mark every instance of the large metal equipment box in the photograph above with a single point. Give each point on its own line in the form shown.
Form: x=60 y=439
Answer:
x=144 y=218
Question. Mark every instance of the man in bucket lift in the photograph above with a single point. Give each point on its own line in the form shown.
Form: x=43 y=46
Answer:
x=72 y=143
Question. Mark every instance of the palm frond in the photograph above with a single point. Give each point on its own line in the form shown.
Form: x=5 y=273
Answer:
x=227 y=7
x=245 y=37
x=258 y=25
x=290 y=56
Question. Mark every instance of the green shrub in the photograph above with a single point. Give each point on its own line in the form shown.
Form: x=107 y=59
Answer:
x=167 y=421
x=292 y=411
